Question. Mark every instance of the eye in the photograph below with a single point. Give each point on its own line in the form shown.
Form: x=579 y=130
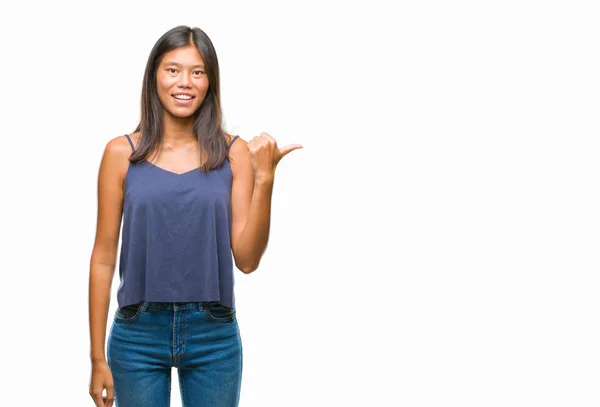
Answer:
x=171 y=69
x=199 y=72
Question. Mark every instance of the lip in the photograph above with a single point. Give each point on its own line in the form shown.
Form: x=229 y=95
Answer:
x=183 y=102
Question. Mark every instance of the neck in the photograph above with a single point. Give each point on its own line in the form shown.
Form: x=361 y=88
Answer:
x=178 y=131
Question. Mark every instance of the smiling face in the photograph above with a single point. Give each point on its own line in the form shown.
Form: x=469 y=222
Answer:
x=181 y=81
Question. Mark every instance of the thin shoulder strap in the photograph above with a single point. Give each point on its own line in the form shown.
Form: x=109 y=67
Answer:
x=130 y=142
x=232 y=140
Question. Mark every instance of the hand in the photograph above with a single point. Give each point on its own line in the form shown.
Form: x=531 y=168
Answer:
x=102 y=379
x=265 y=155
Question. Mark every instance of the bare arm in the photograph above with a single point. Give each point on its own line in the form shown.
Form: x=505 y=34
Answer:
x=104 y=254
x=252 y=189
x=251 y=210
x=252 y=241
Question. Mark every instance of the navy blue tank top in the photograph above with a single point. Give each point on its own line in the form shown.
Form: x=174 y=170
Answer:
x=176 y=236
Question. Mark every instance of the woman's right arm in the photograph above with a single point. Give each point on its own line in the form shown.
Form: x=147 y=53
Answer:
x=111 y=175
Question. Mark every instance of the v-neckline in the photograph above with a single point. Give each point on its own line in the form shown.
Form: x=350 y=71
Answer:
x=171 y=172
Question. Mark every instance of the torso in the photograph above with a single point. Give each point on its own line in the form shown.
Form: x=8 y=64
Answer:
x=176 y=231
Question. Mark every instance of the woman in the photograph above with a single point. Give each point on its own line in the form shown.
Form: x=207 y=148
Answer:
x=191 y=197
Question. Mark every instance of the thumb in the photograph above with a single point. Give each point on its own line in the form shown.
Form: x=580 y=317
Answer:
x=283 y=151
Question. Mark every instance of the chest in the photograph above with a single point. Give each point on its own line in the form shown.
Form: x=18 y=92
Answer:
x=147 y=185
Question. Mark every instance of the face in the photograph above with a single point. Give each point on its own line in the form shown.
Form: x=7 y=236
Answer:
x=182 y=83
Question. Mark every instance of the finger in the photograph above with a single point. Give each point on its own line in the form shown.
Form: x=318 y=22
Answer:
x=283 y=151
x=97 y=397
x=257 y=142
x=268 y=137
x=110 y=396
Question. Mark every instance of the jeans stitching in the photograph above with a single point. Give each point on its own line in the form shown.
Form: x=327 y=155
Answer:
x=184 y=324
x=174 y=349
x=132 y=318
x=228 y=318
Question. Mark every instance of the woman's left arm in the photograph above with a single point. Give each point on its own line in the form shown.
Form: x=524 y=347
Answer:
x=253 y=167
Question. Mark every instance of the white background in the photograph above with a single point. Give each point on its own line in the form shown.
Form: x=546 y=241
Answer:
x=435 y=243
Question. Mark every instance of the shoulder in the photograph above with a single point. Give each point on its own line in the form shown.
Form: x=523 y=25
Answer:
x=119 y=147
x=239 y=154
x=120 y=142
x=229 y=137
x=116 y=155
x=239 y=146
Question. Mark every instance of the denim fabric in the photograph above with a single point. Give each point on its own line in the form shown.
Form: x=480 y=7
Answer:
x=201 y=339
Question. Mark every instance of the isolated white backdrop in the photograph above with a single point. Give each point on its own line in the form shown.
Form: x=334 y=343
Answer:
x=433 y=244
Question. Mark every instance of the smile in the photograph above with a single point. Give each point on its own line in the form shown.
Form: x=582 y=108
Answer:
x=183 y=99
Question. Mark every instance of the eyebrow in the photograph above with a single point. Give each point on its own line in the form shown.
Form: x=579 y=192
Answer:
x=177 y=64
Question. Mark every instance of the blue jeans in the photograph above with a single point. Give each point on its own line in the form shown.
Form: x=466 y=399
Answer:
x=201 y=339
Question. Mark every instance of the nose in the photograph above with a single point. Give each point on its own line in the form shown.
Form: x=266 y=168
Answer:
x=184 y=80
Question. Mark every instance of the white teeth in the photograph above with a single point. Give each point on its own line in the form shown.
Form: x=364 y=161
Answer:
x=182 y=97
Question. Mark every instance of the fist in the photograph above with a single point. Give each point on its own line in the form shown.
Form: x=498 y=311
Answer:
x=265 y=155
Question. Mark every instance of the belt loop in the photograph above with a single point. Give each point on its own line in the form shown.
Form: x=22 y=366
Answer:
x=144 y=306
x=200 y=306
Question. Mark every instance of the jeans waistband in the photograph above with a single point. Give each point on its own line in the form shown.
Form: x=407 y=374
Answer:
x=173 y=305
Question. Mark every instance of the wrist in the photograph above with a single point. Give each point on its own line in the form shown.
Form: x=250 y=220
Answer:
x=263 y=179
x=98 y=360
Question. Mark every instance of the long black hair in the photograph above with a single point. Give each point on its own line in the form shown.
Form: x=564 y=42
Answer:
x=208 y=119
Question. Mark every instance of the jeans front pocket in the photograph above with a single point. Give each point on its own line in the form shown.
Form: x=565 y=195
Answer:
x=128 y=313
x=219 y=312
